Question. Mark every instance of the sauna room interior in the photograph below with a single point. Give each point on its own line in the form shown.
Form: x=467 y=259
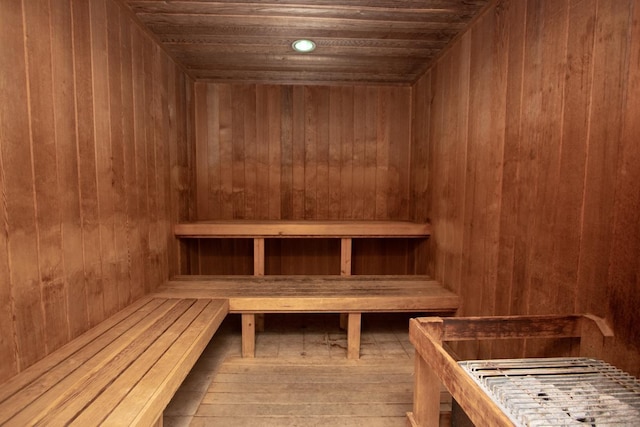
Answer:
x=516 y=142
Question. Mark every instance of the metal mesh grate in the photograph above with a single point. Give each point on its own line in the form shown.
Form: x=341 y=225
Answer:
x=559 y=391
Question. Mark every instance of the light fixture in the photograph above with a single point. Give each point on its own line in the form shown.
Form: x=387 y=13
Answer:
x=303 y=45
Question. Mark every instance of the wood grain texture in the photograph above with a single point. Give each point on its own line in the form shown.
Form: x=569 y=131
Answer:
x=434 y=364
x=293 y=391
x=301 y=153
x=148 y=348
x=545 y=167
x=357 y=43
x=77 y=170
x=300 y=229
x=329 y=294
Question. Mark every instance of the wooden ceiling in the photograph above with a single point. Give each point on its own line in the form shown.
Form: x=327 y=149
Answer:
x=358 y=41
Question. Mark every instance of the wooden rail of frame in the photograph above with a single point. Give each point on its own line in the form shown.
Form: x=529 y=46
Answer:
x=434 y=365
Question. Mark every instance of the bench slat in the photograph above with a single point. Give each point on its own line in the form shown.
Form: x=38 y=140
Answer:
x=302 y=229
x=91 y=368
x=154 y=391
x=54 y=386
x=146 y=346
x=76 y=348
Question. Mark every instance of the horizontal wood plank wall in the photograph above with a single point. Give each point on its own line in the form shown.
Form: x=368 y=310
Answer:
x=299 y=152
x=525 y=157
x=93 y=154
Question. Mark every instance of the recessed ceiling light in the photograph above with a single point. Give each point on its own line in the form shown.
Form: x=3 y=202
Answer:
x=303 y=45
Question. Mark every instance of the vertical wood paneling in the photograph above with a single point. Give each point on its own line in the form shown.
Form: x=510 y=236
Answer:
x=86 y=125
x=347 y=143
x=154 y=146
x=321 y=99
x=87 y=163
x=250 y=151
x=45 y=172
x=302 y=152
x=359 y=137
x=286 y=144
x=225 y=141
x=575 y=130
x=275 y=151
x=262 y=155
x=335 y=145
x=138 y=206
x=420 y=166
x=23 y=284
x=624 y=262
x=64 y=93
x=65 y=135
x=547 y=166
x=553 y=26
x=163 y=168
x=505 y=292
x=203 y=193
x=370 y=154
x=605 y=123
x=299 y=125
x=238 y=184
x=116 y=167
x=102 y=125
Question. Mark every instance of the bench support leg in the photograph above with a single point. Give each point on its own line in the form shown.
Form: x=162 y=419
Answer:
x=258 y=270
x=353 y=336
x=248 y=335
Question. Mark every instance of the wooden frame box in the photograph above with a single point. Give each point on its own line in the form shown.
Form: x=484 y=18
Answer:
x=434 y=365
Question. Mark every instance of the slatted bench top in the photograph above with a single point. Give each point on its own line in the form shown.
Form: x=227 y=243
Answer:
x=301 y=229
x=122 y=372
x=281 y=294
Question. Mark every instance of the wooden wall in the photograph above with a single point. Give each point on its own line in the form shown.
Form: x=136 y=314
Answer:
x=299 y=152
x=525 y=157
x=93 y=155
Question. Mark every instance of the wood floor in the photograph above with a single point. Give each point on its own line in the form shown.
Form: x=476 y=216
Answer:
x=300 y=376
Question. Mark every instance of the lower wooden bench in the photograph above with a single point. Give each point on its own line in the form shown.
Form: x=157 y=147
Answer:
x=123 y=372
x=354 y=295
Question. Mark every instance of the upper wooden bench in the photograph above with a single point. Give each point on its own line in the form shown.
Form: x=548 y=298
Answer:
x=301 y=229
x=354 y=295
x=123 y=372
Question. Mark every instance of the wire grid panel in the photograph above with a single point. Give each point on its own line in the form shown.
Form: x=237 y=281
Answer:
x=559 y=391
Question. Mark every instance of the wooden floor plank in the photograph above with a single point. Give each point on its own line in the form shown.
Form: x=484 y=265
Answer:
x=327 y=378
x=285 y=348
x=296 y=391
x=309 y=367
x=257 y=387
x=304 y=409
x=307 y=421
x=311 y=397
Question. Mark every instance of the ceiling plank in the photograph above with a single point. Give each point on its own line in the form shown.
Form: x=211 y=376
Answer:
x=383 y=41
x=304 y=11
